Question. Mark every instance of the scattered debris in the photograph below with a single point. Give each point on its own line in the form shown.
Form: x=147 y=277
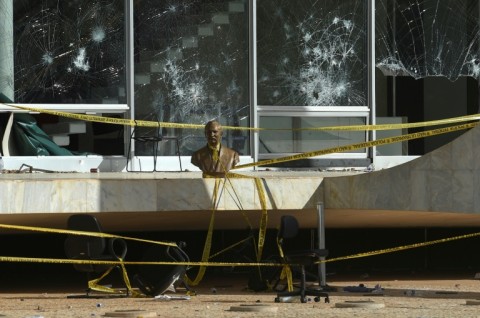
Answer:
x=360 y=304
x=131 y=314
x=473 y=302
x=254 y=308
x=361 y=288
x=167 y=297
x=446 y=292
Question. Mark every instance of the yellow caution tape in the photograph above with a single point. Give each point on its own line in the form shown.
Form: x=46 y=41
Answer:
x=231 y=247
x=378 y=142
x=399 y=248
x=287 y=274
x=208 y=240
x=119 y=121
x=17 y=259
x=108 y=120
x=223 y=264
x=144 y=123
x=97 y=234
x=286 y=271
x=263 y=222
x=394 y=126
x=215 y=200
x=93 y=284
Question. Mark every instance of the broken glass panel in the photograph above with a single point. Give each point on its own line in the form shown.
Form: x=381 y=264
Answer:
x=312 y=53
x=428 y=38
x=66 y=51
x=191 y=66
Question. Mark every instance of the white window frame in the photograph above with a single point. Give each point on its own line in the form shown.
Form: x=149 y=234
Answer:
x=312 y=111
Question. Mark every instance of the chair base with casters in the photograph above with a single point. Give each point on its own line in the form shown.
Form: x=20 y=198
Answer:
x=154 y=280
x=303 y=291
x=95 y=248
x=298 y=260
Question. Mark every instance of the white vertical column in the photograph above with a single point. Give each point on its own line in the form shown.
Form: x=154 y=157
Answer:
x=254 y=138
x=371 y=71
x=6 y=50
x=129 y=50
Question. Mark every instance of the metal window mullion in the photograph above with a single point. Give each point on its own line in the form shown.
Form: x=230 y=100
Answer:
x=371 y=71
x=254 y=136
x=129 y=25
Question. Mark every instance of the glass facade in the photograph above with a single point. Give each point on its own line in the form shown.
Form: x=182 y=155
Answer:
x=428 y=65
x=191 y=66
x=297 y=138
x=69 y=51
x=312 y=53
x=287 y=64
x=428 y=38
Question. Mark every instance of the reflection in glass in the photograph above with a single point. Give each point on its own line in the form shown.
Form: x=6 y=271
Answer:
x=191 y=66
x=68 y=51
x=312 y=53
x=297 y=137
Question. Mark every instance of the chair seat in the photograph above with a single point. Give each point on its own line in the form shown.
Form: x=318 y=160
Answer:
x=155 y=280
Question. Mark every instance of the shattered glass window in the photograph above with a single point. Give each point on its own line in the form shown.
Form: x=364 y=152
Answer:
x=428 y=38
x=312 y=53
x=191 y=66
x=66 y=51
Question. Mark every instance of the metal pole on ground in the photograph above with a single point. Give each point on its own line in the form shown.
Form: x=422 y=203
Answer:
x=321 y=244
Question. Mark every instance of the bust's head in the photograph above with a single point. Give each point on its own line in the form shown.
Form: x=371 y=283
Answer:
x=213 y=133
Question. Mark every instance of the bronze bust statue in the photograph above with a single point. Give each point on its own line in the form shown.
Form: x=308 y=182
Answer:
x=215 y=160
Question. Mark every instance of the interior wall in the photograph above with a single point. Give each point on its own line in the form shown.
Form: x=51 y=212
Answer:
x=445 y=99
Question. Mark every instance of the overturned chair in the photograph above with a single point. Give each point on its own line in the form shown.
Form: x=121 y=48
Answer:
x=154 y=280
x=93 y=250
x=298 y=259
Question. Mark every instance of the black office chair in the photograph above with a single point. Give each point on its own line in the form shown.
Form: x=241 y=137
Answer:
x=150 y=136
x=94 y=248
x=154 y=280
x=299 y=258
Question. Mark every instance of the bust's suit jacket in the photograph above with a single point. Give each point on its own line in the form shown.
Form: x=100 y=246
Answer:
x=203 y=158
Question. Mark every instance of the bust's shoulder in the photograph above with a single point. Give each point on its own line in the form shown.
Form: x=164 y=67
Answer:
x=201 y=150
x=229 y=150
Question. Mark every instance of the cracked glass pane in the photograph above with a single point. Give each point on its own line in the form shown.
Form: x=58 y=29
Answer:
x=191 y=66
x=6 y=51
x=312 y=53
x=65 y=51
x=428 y=38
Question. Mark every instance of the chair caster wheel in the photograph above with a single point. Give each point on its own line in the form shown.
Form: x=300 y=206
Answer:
x=277 y=300
x=316 y=299
x=327 y=300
